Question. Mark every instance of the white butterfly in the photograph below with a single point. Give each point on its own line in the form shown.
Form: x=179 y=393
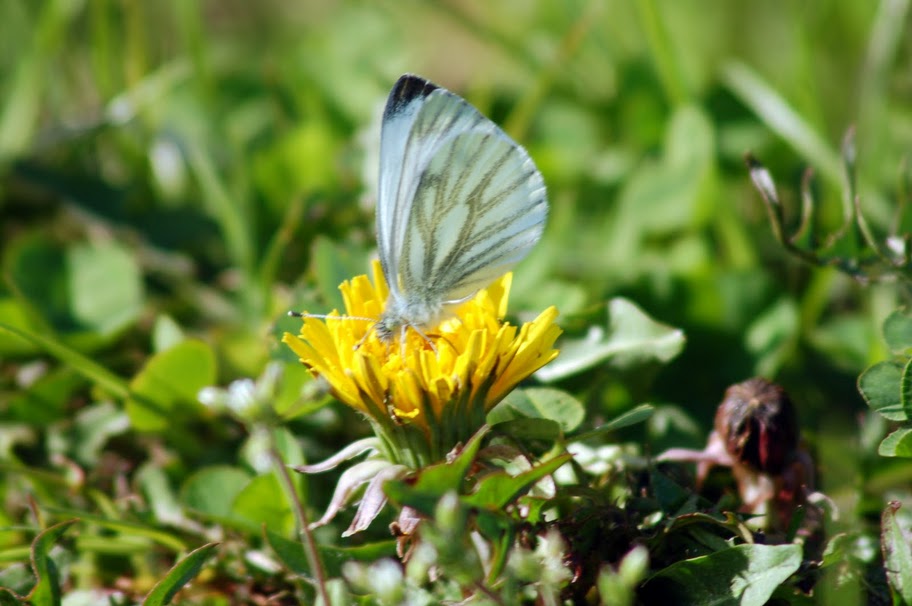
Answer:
x=459 y=204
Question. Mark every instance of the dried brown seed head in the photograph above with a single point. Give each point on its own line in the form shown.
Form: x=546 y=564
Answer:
x=758 y=425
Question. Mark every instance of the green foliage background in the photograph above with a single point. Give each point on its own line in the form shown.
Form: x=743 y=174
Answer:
x=187 y=172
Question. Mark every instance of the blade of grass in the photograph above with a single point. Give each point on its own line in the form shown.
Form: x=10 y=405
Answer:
x=887 y=33
x=80 y=363
x=227 y=211
x=148 y=91
x=517 y=124
x=665 y=58
x=104 y=38
x=458 y=14
x=291 y=220
x=22 y=103
x=160 y=536
x=182 y=573
x=779 y=116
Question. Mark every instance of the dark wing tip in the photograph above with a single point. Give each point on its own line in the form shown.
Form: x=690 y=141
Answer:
x=408 y=88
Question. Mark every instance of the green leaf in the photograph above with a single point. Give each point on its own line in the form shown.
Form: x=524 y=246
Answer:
x=905 y=389
x=212 y=490
x=156 y=487
x=435 y=480
x=880 y=386
x=529 y=429
x=836 y=550
x=618 y=587
x=441 y=478
x=897 y=551
x=770 y=337
x=35 y=263
x=746 y=575
x=540 y=403
x=498 y=489
x=168 y=385
x=94 y=425
x=632 y=339
x=258 y=448
x=846 y=340
x=690 y=141
x=84 y=291
x=698 y=522
x=298 y=162
x=46 y=591
x=671 y=496
x=666 y=197
x=293 y=556
x=262 y=502
x=166 y=333
x=297 y=394
x=335 y=557
x=402 y=493
x=897 y=330
x=500 y=529
x=897 y=444
x=16 y=574
x=291 y=553
x=15 y=315
x=631 y=417
x=181 y=574
x=45 y=401
x=105 y=286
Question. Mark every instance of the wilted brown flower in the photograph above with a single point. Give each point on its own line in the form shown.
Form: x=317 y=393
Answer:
x=757 y=435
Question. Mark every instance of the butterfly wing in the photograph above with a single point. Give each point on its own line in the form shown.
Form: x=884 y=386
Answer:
x=413 y=128
x=460 y=202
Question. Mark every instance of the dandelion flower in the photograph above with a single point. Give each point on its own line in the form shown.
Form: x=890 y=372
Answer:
x=426 y=395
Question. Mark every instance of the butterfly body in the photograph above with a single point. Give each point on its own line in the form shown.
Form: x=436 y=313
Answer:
x=459 y=204
x=416 y=312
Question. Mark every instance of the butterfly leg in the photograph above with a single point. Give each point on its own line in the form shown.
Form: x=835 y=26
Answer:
x=403 y=333
x=364 y=338
x=425 y=337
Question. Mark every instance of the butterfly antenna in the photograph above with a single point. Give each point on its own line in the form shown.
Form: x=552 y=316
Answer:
x=298 y=314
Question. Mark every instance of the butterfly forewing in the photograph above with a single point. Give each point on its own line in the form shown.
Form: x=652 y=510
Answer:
x=459 y=202
x=418 y=119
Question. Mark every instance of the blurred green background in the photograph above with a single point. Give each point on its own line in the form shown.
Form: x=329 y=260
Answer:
x=202 y=167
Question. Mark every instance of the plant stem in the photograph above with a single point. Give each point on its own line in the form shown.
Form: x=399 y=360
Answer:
x=310 y=545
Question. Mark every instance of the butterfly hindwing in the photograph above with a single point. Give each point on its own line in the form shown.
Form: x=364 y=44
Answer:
x=478 y=209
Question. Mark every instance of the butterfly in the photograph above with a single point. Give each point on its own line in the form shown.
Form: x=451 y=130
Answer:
x=459 y=204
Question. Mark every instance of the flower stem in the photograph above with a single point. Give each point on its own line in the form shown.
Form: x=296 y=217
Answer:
x=310 y=545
